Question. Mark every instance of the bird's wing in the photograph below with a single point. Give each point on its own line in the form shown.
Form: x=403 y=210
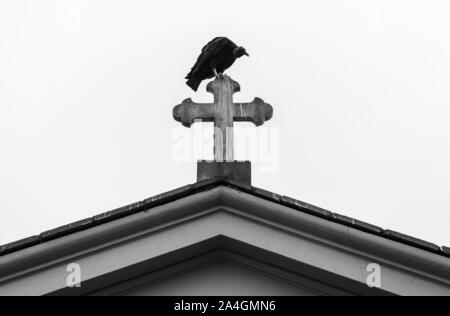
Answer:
x=211 y=49
x=215 y=41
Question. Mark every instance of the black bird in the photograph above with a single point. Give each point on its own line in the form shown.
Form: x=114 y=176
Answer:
x=216 y=57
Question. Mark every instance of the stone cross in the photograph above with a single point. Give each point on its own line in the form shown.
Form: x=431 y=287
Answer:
x=223 y=112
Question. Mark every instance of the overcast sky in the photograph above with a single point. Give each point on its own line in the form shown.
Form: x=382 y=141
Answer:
x=360 y=90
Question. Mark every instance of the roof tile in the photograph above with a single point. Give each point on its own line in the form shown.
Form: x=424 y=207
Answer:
x=305 y=207
x=66 y=229
x=118 y=213
x=161 y=198
x=266 y=194
x=241 y=185
x=20 y=244
x=358 y=224
x=446 y=250
x=209 y=182
x=411 y=241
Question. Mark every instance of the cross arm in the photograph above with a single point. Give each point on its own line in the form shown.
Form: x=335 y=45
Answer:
x=188 y=111
x=256 y=112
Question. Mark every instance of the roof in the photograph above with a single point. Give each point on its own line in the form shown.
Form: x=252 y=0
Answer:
x=206 y=185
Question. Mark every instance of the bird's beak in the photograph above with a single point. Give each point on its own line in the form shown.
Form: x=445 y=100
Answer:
x=246 y=54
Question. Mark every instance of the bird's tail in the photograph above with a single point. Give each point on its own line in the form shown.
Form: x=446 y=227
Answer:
x=194 y=83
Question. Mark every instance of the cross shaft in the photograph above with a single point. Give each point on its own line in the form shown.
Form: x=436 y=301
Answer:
x=223 y=112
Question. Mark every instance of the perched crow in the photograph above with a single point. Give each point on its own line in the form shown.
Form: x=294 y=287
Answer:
x=216 y=57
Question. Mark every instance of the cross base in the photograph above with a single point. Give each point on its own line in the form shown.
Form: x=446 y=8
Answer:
x=239 y=171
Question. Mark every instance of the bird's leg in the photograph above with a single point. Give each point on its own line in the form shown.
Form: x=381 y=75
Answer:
x=217 y=74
